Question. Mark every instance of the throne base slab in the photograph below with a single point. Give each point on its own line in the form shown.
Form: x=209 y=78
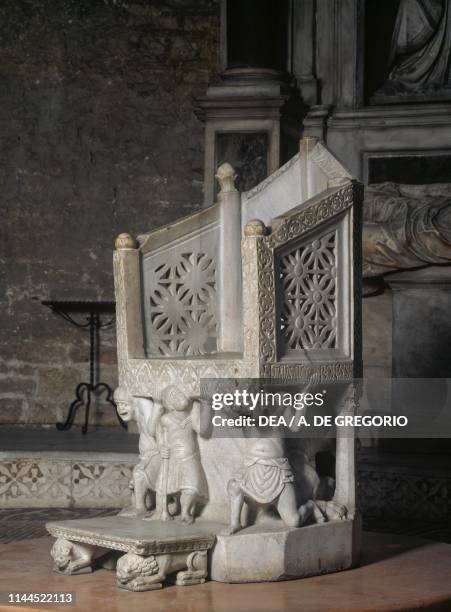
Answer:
x=153 y=550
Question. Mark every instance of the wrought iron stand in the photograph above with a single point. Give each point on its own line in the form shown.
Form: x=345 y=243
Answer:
x=85 y=390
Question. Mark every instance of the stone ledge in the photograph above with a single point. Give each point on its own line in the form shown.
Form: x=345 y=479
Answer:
x=65 y=479
x=259 y=553
x=135 y=535
x=272 y=554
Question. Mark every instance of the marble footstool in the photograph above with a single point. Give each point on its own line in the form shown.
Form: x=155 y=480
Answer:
x=144 y=553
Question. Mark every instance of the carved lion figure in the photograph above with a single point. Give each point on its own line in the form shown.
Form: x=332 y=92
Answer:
x=71 y=557
x=138 y=573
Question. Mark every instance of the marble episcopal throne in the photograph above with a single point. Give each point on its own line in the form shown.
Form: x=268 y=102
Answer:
x=261 y=285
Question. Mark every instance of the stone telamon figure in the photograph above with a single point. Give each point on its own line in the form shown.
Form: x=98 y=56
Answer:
x=145 y=473
x=181 y=475
x=267 y=480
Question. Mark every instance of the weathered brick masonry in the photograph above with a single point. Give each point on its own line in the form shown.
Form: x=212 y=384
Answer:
x=97 y=136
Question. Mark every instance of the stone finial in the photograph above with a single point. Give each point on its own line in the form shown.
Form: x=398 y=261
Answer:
x=307 y=144
x=226 y=177
x=255 y=227
x=309 y=140
x=125 y=241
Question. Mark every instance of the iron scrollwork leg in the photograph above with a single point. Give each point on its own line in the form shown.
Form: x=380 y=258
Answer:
x=84 y=390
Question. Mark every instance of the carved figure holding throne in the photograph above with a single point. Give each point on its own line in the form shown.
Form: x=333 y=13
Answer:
x=181 y=475
x=267 y=480
x=145 y=473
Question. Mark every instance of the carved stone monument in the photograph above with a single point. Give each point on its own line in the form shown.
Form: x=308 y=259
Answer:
x=405 y=227
x=264 y=284
x=419 y=62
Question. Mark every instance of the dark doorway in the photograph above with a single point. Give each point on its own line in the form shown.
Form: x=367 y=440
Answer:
x=257 y=34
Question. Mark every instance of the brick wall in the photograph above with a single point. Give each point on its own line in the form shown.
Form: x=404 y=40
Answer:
x=98 y=136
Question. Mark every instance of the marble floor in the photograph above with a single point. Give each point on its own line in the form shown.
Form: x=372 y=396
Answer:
x=397 y=573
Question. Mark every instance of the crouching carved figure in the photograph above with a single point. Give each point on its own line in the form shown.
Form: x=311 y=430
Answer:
x=138 y=573
x=266 y=479
x=72 y=558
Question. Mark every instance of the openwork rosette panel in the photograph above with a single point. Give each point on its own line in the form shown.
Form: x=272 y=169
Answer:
x=308 y=279
x=180 y=302
x=309 y=287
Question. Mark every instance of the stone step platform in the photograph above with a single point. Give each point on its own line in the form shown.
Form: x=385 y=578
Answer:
x=265 y=553
x=258 y=553
x=142 y=537
x=154 y=550
x=64 y=469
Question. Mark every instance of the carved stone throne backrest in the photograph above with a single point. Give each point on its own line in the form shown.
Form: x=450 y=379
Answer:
x=312 y=292
x=179 y=289
x=263 y=303
x=307 y=294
